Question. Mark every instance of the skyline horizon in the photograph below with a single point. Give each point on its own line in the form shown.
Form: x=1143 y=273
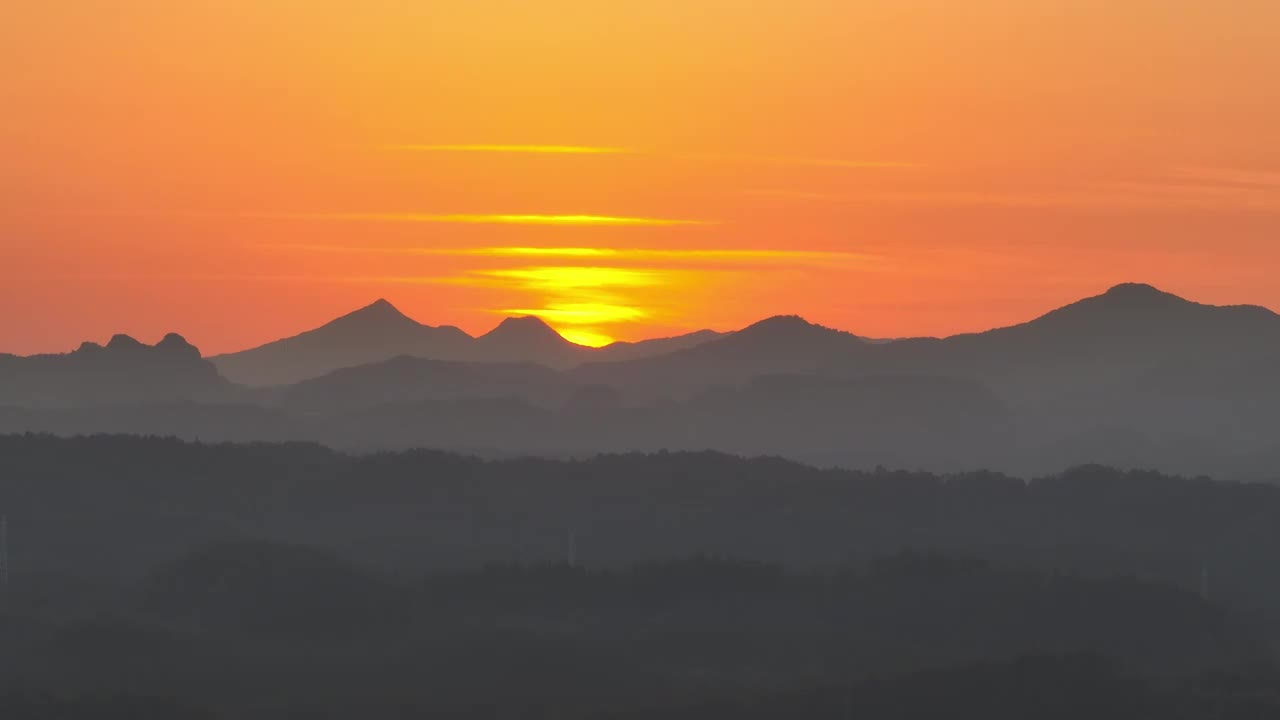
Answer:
x=504 y=320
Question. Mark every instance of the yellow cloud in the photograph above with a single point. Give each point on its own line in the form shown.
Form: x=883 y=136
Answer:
x=584 y=313
x=712 y=255
x=564 y=278
x=706 y=254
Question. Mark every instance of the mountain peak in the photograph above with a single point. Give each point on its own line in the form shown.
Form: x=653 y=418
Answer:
x=522 y=328
x=380 y=308
x=786 y=334
x=1137 y=296
x=782 y=321
x=378 y=315
x=1137 y=291
x=527 y=338
x=176 y=344
x=123 y=342
x=1125 y=308
x=782 y=327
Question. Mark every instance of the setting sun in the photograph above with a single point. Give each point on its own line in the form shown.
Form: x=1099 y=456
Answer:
x=585 y=337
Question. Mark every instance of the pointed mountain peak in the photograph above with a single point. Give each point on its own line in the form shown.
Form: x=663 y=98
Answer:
x=379 y=308
x=380 y=314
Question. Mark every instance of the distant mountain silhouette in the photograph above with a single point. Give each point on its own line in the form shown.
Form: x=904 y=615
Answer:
x=406 y=380
x=123 y=372
x=371 y=334
x=623 y=350
x=1134 y=377
x=527 y=339
x=1134 y=355
x=1129 y=324
x=380 y=332
x=781 y=344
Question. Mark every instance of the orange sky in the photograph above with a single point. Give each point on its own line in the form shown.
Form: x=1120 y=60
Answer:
x=241 y=170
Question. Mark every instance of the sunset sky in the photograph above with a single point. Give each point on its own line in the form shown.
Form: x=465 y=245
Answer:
x=246 y=169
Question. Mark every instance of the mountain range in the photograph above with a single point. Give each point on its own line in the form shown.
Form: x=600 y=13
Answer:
x=1132 y=377
x=381 y=332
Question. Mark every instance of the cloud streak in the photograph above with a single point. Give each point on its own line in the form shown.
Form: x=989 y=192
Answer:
x=607 y=150
x=601 y=254
x=583 y=313
x=495 y=219
x=516 y=149
x=575 y=278
x=826 y=162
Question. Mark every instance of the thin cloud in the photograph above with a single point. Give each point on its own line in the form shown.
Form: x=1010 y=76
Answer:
x=705 y=254
x=833 y=163
x=586 y=313
x=562 y=278
x=1130 y=195
x=499 y=219
x=1260 y=179
x=607 y=150
x=516 y=149
x=702 y=255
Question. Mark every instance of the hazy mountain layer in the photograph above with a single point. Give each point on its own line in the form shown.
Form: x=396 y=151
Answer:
x=1134 y=377
x=380 y=332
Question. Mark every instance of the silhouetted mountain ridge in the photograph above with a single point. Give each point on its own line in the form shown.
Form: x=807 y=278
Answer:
x=124 y=371
x=380 y=332
x=406 y=380
x=371 y=334
x=783 y=344
x=1133 y=377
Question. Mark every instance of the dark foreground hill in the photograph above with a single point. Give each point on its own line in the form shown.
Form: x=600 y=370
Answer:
x=154 y=578
x=120 y=505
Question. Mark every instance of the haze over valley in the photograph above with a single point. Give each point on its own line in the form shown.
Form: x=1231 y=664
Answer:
x=1133 y=377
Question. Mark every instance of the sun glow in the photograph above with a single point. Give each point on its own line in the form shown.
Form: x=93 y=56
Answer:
x=589 y=338
x=583 y=313
x=574 y=278
x=582 y=302
x=693 y=255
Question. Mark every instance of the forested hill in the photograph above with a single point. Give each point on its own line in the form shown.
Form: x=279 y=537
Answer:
x=160 y=578
x=108 y=505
